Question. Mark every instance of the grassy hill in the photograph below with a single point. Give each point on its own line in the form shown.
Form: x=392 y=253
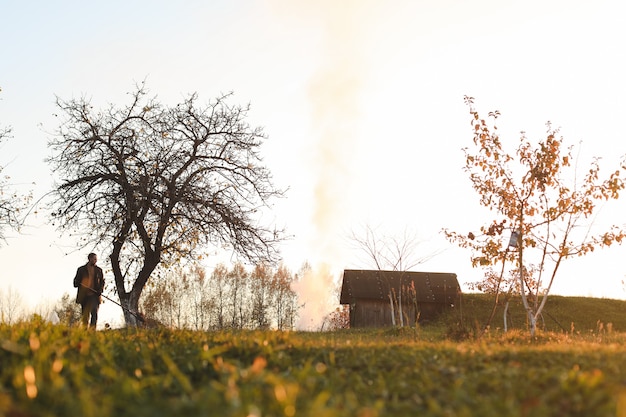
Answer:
x=54 y=370
x=561 y=314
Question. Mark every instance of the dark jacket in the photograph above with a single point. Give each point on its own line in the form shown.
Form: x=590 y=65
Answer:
x=84 y=292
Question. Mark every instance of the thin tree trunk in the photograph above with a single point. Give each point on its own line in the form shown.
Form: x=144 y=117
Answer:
x=532 y=322
x=400 y=312
x=393 y=314
x=506 y=311
x=495 y=301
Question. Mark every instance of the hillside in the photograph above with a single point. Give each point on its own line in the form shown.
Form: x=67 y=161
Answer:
x=561 y=314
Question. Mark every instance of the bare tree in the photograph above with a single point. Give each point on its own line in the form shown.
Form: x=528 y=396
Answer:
x=284 y=299
x=201 y=300
x=391 y=253
x=219 y=281
x=240 y=297
x=67 y=310
x=11 y=306
x=157 y=302
x=180 y=286
x=260 y=286
x=154 y=184
x=169 y=299
x=12 y=203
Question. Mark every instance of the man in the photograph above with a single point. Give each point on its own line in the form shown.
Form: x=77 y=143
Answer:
x=89 y=280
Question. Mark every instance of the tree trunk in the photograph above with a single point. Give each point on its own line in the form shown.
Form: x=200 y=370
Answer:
x=130 y=307
x=130 y=299
x=496 y=299
x=532 y=323
x=506 y=311
x=400 y=312
x=393 y=314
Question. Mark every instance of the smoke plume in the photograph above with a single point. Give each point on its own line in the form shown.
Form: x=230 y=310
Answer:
x=334 y=94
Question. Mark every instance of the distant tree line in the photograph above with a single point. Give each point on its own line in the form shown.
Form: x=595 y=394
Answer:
x=235 y=298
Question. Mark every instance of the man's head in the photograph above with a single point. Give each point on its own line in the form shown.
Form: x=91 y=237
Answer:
x=93 y=258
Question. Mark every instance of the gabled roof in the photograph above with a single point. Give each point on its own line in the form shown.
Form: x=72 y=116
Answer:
x=430 y=287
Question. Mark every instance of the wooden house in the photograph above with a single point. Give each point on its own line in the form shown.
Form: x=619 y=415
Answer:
x=396 y=298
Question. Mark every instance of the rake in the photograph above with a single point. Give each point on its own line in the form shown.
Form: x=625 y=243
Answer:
x=137 y=315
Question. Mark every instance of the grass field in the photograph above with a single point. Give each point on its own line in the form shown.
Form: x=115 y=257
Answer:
x=578 y=315
x=51 y=370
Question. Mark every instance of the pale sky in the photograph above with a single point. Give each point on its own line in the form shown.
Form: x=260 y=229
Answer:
x=362 y=102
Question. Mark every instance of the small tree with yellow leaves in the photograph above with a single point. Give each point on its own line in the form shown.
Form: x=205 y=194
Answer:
x=535 y=201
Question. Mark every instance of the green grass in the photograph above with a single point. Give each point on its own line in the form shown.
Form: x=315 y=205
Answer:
x=579 y=315
x=48 y=370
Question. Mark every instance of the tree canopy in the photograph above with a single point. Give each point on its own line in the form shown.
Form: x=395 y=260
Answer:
x=153 y=184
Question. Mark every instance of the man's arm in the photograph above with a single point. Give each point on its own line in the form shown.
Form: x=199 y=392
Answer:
x=100 y=284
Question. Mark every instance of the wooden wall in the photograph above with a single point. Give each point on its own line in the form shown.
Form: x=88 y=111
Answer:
x=374 y=313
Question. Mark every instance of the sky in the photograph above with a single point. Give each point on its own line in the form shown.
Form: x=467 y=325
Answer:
x=362 y=103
